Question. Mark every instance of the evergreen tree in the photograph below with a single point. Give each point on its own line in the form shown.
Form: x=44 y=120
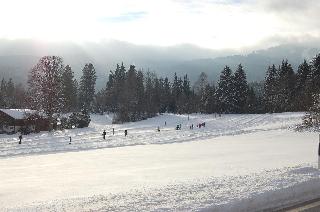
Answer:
x=251 y=102
x=200 y=89
x=312 y=118
x=110 y=98
x=303 y=88
x=87 y=87
x=69 y=90
x=3 y=91
x=315 y=74
x=271 y=90
x=10 y=94
x=225 y=91
x=186 y=95
x=240 y=90
x=286 y=87
x=210 y=99
x=130 y=106
x=19 y=96
x=167 y=95
x=140 y=95
x=162 y=97
x=151 y=108
x=45 y=93
x=176 y=91
x=99 y=102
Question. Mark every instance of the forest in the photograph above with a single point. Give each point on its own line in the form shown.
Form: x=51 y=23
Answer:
x=134 y=95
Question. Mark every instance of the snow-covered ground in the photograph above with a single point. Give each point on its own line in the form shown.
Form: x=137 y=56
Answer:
x=144 y=132
x=235 y=163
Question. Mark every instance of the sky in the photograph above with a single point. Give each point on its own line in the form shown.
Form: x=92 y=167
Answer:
x=213 y=24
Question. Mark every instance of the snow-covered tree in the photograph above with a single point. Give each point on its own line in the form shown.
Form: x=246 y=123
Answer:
x=271 y=89
x=240 y=90
x=200 y=90
x=45 y=93
x=312 y=119
x=87 y=87
x=225 y=91
x=303 y=89
x=286 y=86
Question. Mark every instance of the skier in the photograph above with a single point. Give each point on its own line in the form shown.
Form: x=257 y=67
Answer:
x=104 y=134
x=158 y=129
x=70 y=140
x=165 y=123
x=125 y=132
x=112 y=131
x=20 y=138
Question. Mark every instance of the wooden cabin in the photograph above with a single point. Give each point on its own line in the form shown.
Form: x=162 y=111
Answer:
x=17 y=120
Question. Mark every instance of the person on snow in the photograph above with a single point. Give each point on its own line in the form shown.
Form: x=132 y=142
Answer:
x=20 y=138
x=125 y=132
x=104 y=134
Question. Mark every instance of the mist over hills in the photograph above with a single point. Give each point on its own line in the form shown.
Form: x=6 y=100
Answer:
x=18 y=57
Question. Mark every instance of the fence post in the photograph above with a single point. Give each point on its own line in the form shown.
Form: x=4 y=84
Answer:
x=319 y=153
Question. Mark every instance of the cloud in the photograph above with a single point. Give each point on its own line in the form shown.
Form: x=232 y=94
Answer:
x=215 y=24
x=127 y=17
x=283 y=6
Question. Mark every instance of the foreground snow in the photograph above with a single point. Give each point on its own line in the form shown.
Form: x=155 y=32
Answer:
x=237 y=162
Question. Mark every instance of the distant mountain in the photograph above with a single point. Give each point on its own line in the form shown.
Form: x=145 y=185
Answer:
x=255 y=63
x=18 y=57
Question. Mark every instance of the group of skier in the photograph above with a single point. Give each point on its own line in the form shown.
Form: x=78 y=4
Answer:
x=104 y=133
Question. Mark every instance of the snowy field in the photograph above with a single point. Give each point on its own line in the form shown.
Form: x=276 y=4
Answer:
x=235 y=163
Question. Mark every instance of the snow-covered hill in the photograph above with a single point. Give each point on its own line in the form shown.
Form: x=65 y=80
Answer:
x=235 y=163
x=145 y=132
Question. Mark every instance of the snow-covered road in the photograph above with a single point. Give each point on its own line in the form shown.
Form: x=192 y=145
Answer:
x=255 y=162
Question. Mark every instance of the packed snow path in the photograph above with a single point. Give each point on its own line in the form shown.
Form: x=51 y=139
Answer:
x=144 y=132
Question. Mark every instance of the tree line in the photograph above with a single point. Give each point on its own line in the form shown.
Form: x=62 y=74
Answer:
x=133 y=94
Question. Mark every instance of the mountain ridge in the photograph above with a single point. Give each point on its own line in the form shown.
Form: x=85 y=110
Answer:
x=17 y=62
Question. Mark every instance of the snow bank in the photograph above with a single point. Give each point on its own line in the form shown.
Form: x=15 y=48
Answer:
x=264 y=190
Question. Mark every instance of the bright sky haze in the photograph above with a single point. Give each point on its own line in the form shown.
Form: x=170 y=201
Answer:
x=214 y=24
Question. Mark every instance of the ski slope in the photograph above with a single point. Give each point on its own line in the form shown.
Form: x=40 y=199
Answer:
x=235 y=163
x=144 y=132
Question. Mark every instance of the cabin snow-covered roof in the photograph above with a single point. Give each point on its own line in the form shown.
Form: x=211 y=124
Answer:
x=18 y=113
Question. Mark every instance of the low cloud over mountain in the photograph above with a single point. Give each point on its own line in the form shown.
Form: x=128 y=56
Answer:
x=18 y=57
